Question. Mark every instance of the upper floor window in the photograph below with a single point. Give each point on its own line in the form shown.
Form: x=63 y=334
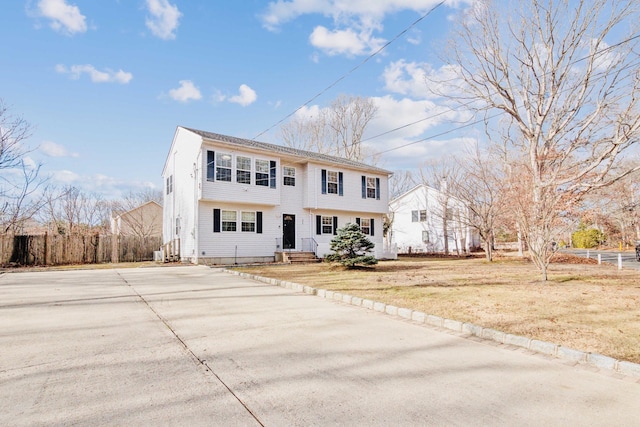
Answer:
x=211 y=165
x=419 y=216
x=223 y=167
x=332 y=182
x=262 y=172
x=289 y=175
x=370 y=187
x=243 y=170
x=169 y=184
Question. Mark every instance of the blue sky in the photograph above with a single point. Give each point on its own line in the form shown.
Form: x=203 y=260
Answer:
x=105 y=83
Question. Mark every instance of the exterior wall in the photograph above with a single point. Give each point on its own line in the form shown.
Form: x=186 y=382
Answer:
x=324 y=240
x=351 y=200
x=408 y=235
x=180 y=203
x=231 y=191
x=237 y=246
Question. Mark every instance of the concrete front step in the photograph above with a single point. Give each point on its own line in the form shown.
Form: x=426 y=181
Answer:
x=299 y=257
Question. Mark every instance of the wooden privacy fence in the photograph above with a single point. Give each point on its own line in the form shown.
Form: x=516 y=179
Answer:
x=75 y=249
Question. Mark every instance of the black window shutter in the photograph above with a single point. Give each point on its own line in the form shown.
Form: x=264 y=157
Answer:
x=216 y=220
x=378 y=188
x=211 y=165
x=318 y=224
x=335 y=225
x=372 y=228
x=364 y=187
x=358 y=221
x=259 y=222
x=272 y=174
x=339 y=183
x=324 y=181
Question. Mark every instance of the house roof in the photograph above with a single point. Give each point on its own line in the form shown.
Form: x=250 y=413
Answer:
x=295 y=152
x=123 y=213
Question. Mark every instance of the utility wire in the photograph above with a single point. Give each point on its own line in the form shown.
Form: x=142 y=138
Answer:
x=595 y=54
x=348 y=73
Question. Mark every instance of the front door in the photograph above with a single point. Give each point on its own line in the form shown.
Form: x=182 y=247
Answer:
x=288 y=231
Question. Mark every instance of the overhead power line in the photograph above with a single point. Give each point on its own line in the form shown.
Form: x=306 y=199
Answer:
x=348 y=73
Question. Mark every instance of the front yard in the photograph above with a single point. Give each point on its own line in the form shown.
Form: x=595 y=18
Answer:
x=594 y=308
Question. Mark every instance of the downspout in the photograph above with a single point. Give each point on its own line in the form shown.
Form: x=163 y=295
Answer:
x=196 y=208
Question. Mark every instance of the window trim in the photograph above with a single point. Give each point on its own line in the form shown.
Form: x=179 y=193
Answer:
x=228 y=221
x=261 y=176
x=220 y=168
x=246 y=172
x=253 y=222
x=291 y=176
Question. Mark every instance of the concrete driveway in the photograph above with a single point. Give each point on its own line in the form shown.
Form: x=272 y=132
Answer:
x=197 y=346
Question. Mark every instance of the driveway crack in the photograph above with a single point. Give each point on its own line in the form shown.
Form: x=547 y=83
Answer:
x=187 y=348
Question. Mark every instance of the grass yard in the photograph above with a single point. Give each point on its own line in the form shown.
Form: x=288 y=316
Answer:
x=585 y=306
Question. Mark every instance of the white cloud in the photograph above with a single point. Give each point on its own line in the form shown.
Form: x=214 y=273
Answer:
x=64 y=17
x=246 y=96
x=97 y=76
x=354 y=20
x=66 y=177
x=346 y=42
x=52 y=149
x=164 y=19
x=186 y=92
x=106 y=186
x=420 y=80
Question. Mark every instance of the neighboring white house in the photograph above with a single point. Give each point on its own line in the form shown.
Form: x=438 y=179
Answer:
x=142 y=221
x=418 y=218
x=231 y=200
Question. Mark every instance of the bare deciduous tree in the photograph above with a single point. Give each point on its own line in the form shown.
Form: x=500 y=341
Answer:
x=336 y=130
x=565 y=75
x=480 y=187
x=444 y=175
x=138 y=221
x=21 y=187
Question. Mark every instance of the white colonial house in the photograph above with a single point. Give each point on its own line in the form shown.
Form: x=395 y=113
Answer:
x=418 y=222
x=230 y=200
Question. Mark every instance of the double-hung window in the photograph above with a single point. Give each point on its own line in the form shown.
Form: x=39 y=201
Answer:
x=289 y=175
x=223 y=167
x=248 y=221
x=229 y=220
x=169 y=184
x=332 y=182
x=370 y=187
x=327 y=225
x=366 y=225
x=419 y=216
x=262 y=172
x=243 y=170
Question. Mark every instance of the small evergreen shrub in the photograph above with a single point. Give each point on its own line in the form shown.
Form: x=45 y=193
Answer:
x=351 y=247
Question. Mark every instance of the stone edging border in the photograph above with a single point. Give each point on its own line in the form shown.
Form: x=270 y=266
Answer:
x=593 y=359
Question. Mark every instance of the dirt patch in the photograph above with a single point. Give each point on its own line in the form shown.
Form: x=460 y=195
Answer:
x=583 y=305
